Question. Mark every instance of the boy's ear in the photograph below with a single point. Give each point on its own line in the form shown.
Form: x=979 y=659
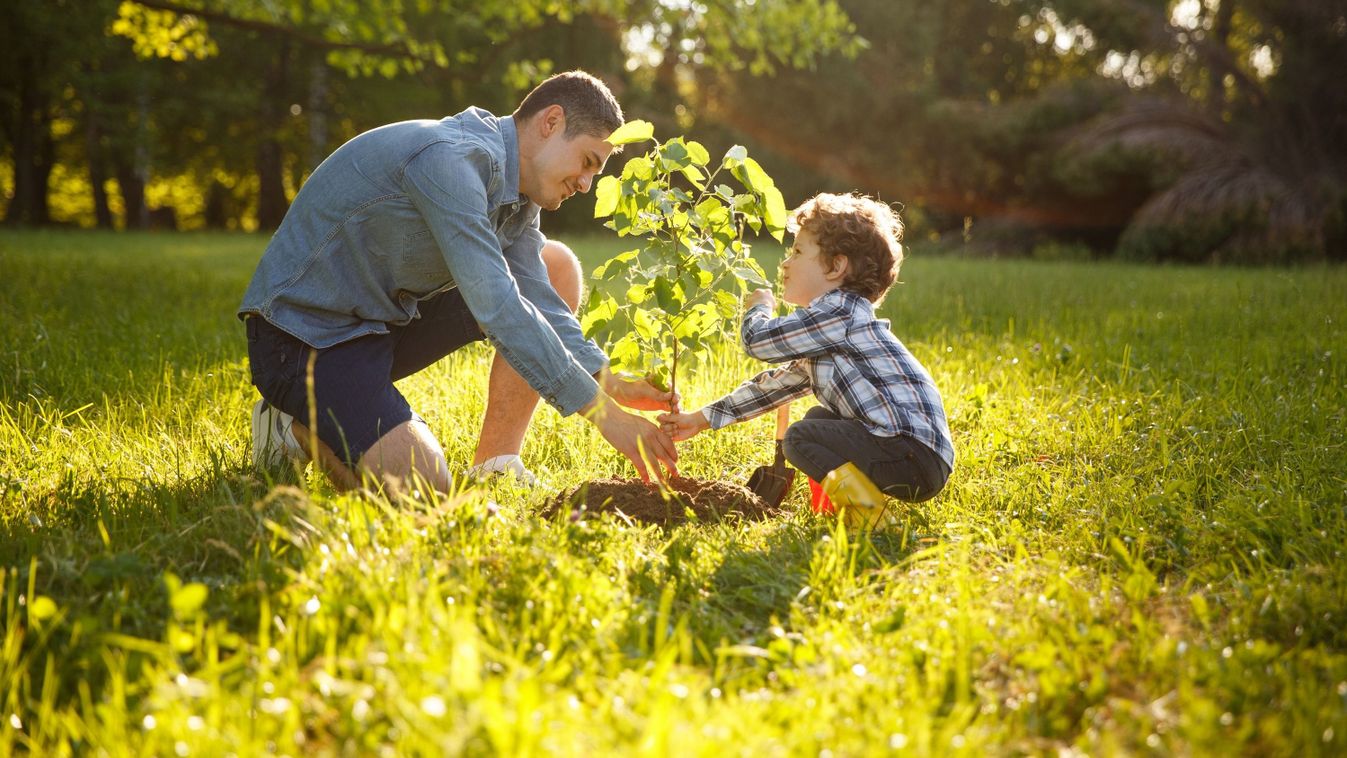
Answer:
x=839 y=268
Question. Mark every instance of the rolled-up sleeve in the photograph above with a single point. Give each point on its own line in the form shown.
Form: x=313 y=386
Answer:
x=448 y=185
x=526 y=264
x=758 y=395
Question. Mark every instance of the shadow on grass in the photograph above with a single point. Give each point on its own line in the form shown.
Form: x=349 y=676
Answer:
x=100 y=549
x=753 y=591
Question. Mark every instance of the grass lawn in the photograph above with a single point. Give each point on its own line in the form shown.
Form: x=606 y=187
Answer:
x=1141 y=548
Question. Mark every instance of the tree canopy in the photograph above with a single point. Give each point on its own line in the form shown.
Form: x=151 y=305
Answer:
x=1156 y=129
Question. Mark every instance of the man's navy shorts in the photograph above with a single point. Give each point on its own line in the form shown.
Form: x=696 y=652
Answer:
x=353 y=381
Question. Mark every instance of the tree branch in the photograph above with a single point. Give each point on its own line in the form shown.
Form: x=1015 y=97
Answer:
x=305 y=36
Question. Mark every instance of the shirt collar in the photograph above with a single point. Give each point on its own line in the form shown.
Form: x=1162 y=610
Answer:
x=851 y=300
x=510 y=136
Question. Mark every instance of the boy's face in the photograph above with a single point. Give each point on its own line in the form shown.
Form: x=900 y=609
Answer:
x=804 y=275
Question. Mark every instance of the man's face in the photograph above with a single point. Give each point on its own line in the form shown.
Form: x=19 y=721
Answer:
x=564 y=166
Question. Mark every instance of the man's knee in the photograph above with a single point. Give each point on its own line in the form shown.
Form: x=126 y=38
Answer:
x=563 y=270
x=407 y=454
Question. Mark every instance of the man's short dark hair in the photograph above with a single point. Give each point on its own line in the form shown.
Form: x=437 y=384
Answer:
x=590 y=106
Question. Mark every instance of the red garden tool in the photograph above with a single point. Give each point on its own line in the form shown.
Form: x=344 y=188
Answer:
x=771 y=483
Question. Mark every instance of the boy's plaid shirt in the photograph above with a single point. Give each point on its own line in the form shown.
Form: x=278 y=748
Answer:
x=852 y=362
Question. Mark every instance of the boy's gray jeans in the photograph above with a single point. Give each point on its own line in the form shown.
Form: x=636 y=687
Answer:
x=900 y=466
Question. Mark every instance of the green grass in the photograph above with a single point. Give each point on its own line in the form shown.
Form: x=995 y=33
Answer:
x=1140 y=550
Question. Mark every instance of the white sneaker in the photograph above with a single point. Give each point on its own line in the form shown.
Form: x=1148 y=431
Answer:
x=511 y=465
x=273 y=440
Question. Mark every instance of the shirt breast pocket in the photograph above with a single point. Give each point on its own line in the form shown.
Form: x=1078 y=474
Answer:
x=421 y=257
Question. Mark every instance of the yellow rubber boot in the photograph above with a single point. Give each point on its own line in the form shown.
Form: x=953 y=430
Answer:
x=862 y=504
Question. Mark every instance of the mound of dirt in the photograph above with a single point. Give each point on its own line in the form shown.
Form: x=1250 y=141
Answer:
x=709 y=501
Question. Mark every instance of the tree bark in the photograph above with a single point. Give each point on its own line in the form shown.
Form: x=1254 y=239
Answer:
x=31 y=148
x=217 y=210
x=317 y=113
x=1220 y=32
x=271 y=201
x=132 y=188
x=93 y=142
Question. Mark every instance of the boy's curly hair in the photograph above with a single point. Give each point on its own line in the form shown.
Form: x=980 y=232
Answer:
x=868 y=232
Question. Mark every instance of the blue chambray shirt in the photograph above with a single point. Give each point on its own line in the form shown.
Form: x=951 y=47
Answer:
x=409 y=210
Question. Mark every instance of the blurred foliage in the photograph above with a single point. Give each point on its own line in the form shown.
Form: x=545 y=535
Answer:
x=1185 y=130
x=1201 y=130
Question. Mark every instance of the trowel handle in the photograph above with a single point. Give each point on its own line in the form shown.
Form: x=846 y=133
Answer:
x=782 y=421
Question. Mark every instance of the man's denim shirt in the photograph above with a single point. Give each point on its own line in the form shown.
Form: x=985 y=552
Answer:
x=407 y=211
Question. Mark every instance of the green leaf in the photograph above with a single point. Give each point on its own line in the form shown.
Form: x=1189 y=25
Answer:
x=659 y=378
x=632 y=131
x=675 y=156
x=734 y=156
x=42 y=608
x=757 y=179
x=626 y=352
x=606 y=194
x=711 y=212
x=644 y=324
x=748 y=274
x=637 y=171
x=637 y=294
x=188 y=599
x=598 y=315
x=668 y=294
x=698 y=153
x=727 y=305
x=893 y=623
x=695 y=176
x=775 y=213
x=618 y=264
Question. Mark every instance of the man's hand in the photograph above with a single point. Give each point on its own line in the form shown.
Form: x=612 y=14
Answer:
x=759 y=297
x=639 y=440
x=637 y=394
x=682 y=426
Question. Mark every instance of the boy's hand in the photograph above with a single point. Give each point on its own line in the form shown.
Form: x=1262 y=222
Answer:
x=760 y=297
x=682 y=426
x=638 y=394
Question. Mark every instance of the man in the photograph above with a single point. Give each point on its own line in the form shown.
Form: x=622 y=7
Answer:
x=407 y=243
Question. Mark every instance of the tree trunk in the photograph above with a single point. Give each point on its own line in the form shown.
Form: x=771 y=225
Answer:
x=40 y=215
x=31 y=148
x=1220 y=33
x=93 y=142
x=317 y=113
x=133 y=174
x=133 y=195
x=217 y=210
x=271 y=202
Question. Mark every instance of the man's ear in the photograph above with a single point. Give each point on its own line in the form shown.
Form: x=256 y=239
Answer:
x=551 y=120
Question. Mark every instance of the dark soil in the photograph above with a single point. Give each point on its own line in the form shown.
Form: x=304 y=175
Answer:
x=709 y=501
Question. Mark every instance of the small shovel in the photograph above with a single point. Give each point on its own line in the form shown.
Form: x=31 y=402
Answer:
x=771 y=483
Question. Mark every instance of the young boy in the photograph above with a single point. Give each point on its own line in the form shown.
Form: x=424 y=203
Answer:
x=880 y=428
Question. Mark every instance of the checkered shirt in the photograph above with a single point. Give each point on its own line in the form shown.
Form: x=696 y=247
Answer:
x=850 y=360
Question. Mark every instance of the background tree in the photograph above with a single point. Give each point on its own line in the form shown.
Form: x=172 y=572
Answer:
x=1194 y=130
x=224 y=106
